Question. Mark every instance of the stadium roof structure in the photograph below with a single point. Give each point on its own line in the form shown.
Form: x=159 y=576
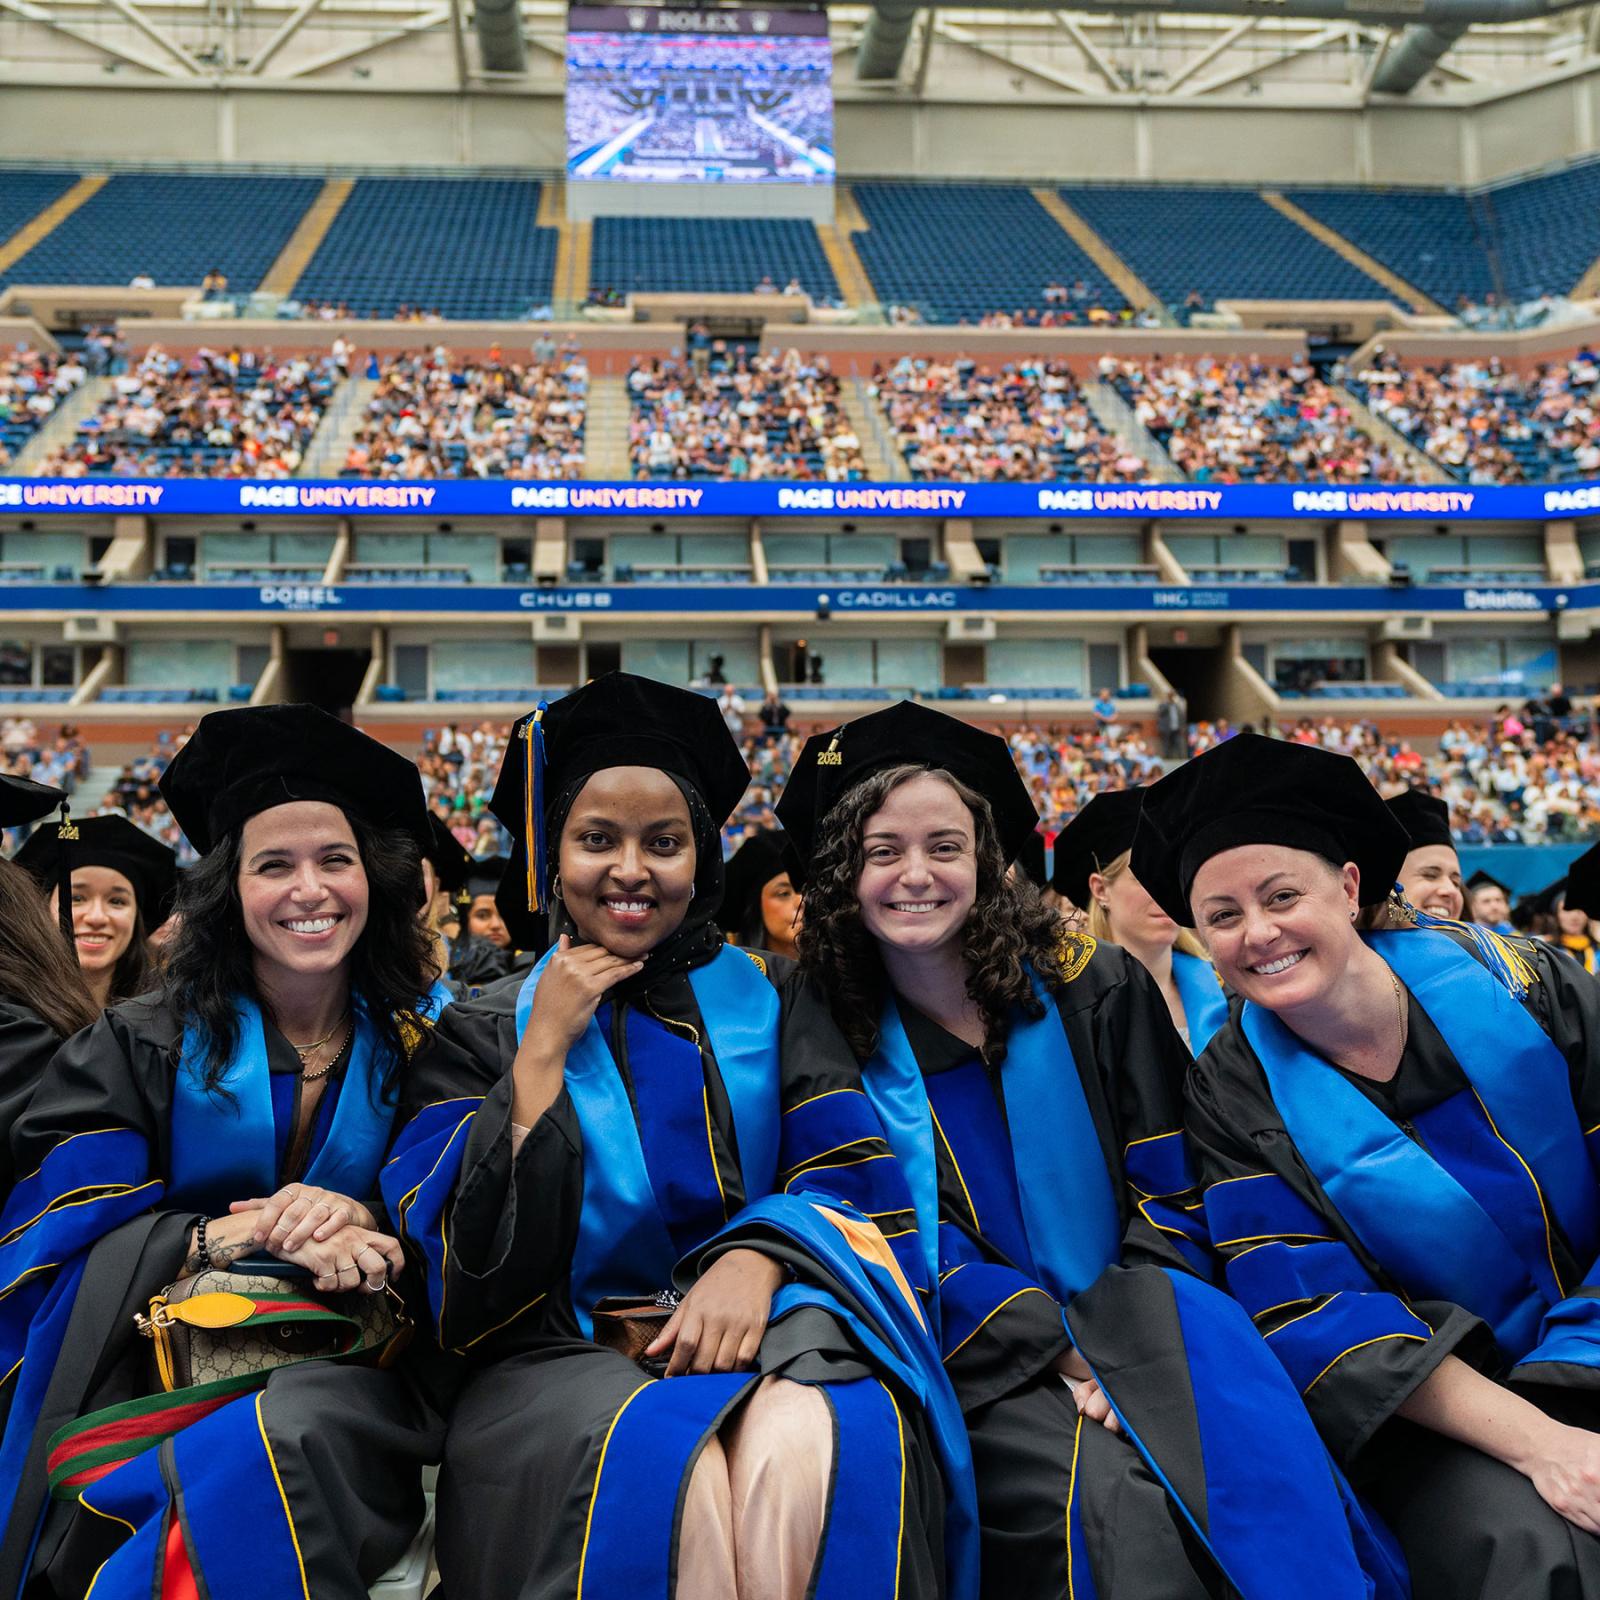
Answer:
x=1329 y=52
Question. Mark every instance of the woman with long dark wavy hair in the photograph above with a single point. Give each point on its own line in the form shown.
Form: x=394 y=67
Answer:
x=240 y=1112
x=43 y=999
x=123 y=885
x=1027 y=1079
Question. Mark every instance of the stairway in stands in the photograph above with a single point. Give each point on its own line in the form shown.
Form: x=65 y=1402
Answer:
x=48 y=220
x=312 y=229
x=62 y=426
x=1407 y=294
x=855 y=284
x=605 y=428
x=335 y=434
x=1116 y=416
x=885 y=464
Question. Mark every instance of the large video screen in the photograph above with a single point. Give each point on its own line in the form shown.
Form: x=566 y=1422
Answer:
x=657 y=95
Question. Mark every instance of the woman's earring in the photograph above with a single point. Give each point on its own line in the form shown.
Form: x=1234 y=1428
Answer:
x=555 y=887
x=691 y=891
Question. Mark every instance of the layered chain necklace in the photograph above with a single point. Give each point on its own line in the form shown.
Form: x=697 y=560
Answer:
x=306 y=1051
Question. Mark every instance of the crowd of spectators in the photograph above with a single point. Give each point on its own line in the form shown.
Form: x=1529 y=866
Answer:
x=32 y=384
x=1025 y=421
x=211 y=414
x=60 y=759
x=1487 y=424
x=435 y=415
x=1073 y=305
x=1233 y=421
x=747 y=416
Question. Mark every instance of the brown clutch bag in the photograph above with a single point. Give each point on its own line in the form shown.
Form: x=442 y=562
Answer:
x=631 y=1323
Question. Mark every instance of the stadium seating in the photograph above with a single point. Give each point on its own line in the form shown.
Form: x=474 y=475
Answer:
x=1542 y=229
x=1432 y=238
x=1240 y=421
x=724 y=255
x=434 y=416
x=463 y=247
x=1217 y=243
x=32 y=385
x=751 y=416
x=209 y=415
x=956 y=252
x=1486 y=424
x=24 y=194
x=175 y=227
x=1024 y=421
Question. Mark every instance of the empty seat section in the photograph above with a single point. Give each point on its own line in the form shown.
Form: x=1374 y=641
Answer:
x=725 y=255
x=958 y=251
x=24 y=194
x=174 y=226
x=1430 y=237
x=464 y=247
x=1221 y=243
x=1544 y=229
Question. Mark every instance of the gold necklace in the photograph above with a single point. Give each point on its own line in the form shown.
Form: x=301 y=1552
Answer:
x=306 y=1051
x=322 y=1072
x=1400 y=1010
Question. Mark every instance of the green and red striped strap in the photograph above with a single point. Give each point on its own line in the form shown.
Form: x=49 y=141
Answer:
x=88 y=1449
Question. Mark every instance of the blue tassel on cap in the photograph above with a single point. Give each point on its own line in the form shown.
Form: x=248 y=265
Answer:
x=533 y=828
x=1499 y=955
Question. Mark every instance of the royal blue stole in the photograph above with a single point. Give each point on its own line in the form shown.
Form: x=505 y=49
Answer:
x=1069 y=1203
x=1424 y=1221
x=625 y=1236
x=1205 y=1001
x=435 y=1000
x=224 y=1140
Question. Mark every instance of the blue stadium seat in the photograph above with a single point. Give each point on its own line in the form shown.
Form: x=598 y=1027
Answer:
x=466 y=247
x=24 y=194
x=1223 y=242
x=956 y=251
x=725 y=255
x=175 y=226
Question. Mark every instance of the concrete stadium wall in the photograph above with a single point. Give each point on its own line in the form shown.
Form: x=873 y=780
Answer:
x=999 y=134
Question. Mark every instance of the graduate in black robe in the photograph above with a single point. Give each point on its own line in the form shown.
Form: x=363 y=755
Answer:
x=1391 y=1134
x=650 y=1111
x=170 y=1134
x=43 y=999
x=760 y=906
x=1131 y=1435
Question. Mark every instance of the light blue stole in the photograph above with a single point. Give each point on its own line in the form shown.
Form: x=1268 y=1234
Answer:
x=224 y=1141
x=1069 y=1203
x=1205 y=1001
x=623 y=1244
x=1419 y=1222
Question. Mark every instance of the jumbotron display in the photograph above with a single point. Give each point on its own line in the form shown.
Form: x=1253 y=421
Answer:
x=662 y=95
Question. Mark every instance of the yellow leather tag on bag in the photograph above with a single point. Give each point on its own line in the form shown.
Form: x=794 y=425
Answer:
x=220 y=1309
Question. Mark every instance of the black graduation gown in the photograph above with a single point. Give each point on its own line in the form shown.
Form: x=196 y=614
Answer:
x=1028 y=1449
x=527 y=1435
x=27 y=1043
x=348 y=1442
x=1472 y=1528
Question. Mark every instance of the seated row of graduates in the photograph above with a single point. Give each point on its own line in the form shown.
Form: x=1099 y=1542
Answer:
x=958 y=1313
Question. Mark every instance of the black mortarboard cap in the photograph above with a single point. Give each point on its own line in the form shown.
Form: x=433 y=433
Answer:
x=1094 y=838
x=22 y=800
x=903 y=734
x=617 y=720
x=1030 y=860
x=1583 y=882
x=1485 y=880
x=1424 y=816
x=114 y=842
x=248 y=759
x=451 y=862
x=485 y=876
x=750 y=869
x=1255 y=790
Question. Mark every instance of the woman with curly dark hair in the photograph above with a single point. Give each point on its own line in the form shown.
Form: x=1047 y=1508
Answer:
x=242 y=1110
x=1130 y=1432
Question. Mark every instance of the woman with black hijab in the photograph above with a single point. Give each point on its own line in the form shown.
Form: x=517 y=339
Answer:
x=124 y=886
x=649 y=1115
x=241 y=1110
x=1396 y=1135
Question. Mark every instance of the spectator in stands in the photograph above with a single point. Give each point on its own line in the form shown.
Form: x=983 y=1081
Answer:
x=794 y=287
x=774 y=718
x=731 y=709
x=1028 y=421
x=1172 y=720
x=765 y=285
x=214 y=414
x=434 y=415
x=1232 y=421
x=1105 y=714
x=743 y=415
x=141 y=280
x=214 y=285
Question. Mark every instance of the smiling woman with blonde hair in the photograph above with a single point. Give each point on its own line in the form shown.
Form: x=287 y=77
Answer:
x=1391 y=1134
